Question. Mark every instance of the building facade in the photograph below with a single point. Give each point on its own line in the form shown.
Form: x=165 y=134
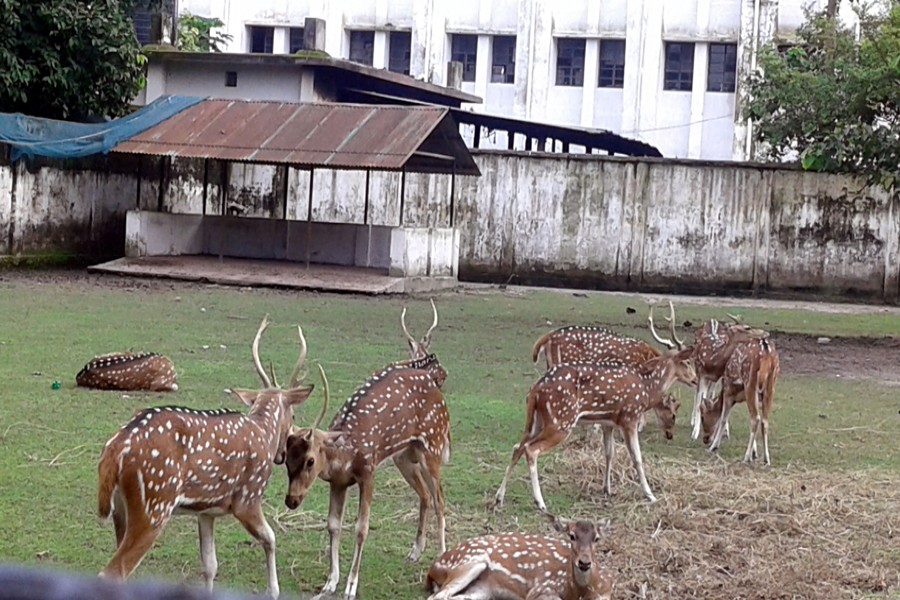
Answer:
x=666 y=72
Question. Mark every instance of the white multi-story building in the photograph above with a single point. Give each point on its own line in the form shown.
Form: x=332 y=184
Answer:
x=667 y=72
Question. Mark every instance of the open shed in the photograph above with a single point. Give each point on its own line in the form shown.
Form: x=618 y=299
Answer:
x=297 y=138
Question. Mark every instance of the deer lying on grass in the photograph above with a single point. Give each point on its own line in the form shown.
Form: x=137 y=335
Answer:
x=399 y=413
x=522 y=566
x=129 y=372
x=611 y=394
x=713 y=345
x=600 y=345
x=208 y=463
x=750 y=375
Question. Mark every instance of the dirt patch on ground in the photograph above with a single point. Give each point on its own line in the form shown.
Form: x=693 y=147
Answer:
x=852 y=358
x=739 y=531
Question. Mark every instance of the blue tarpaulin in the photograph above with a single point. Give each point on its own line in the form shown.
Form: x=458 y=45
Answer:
x=35 y=136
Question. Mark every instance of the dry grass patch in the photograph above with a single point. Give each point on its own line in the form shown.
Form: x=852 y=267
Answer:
x=723 y=530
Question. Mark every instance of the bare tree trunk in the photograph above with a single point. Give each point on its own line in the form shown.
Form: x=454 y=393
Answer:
x=832 y=8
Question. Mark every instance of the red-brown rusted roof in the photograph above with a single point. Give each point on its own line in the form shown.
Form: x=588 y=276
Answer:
x=330 y=136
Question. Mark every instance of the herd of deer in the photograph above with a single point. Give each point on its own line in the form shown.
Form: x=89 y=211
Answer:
x=173 y=460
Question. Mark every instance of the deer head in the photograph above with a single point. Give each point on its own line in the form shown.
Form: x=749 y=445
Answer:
x=666 y=412
x=583 y=535
x=419 y=349
x=674 y=342
x=305 y=454
x=295 y=395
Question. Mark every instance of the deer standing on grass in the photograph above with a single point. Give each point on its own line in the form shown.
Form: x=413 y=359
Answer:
x=750 y=376
x=399 y=413
x=598 y=344
x=523 y=566
x=611 y=394
x=713 y=346
x=129 y=372
x=208 y=463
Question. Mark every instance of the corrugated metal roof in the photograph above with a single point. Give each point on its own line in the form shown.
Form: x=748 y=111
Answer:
x=332 y=136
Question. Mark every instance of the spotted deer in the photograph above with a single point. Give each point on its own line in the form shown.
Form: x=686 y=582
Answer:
x=611 y=394
x=207 y=463
x=420 y=348
x=713 y=346
x=419 y=356
x=398 y=413
x=599 y=344
x=513 y=565
x=750 y=375
x=129 y=372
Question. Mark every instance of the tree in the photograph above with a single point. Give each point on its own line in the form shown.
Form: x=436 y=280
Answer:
x=68 y=59
x=833 y=100
x=195 y=34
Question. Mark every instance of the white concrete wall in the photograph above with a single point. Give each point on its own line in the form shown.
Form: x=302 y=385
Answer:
x=545 y=219
x=692 y=124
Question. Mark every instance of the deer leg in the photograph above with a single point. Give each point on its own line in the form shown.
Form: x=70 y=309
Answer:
x=703 y=386
x=336 y=502
x=136 y=542
x=462 y=577
x=208 y=549
x=721 y=424
x=634 y=448
x=120 y=517
x=433 y=481
x=547 y=439
x=609 y=450
x=362 y=532
x=251 y=517
x=750 y=454
x=413 y=477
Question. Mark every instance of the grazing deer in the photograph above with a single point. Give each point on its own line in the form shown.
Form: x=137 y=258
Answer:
x=399 y=413
x=714 y=343
x=512 y=565
x=208 y=463
x=129 y=372
x=611 y=394
x=599 y=344
x=750 y=375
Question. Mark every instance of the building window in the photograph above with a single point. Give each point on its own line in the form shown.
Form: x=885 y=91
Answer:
x=570 y=61
x=612 y=63
x=398 y=53
x=230 y=78
x=679 y=66
x=362 y=47
x=295 y=39
x=722 y=68
x=503 y=61
x=464 y=49
x=261 y=39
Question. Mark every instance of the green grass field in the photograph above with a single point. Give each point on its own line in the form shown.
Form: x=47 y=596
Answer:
x=50 y=439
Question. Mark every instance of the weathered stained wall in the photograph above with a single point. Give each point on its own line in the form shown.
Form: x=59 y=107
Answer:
x=576 y=220
x=675 y=225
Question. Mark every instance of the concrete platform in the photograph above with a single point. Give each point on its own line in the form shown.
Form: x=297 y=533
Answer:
x=270 y=273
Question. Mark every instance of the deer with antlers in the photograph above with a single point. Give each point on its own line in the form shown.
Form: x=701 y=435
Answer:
x=714 y=343
x=611 y=394
x=129 y=372
x=532 y=567
x=207 y=463
x=420 y=348
x=579 y=343
x=750 y=375
x=399 y=413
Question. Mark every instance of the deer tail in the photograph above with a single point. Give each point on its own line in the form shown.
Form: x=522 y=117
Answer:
x=539 y=351
x=108 y=474
x=445 y=452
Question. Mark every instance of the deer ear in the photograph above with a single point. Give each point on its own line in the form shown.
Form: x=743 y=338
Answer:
x=298 y=395
x=560 y=524
x=332 y=437
x=248 y=397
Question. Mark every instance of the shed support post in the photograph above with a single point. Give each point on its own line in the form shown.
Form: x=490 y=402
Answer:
x=367 y=222
x=309 y=204
x=402 y=195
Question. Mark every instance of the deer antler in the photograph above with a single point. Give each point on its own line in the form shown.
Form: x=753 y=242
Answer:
x=412 y=340
x=272 y=372
x=667 y=343
x=427 y=337
x=259 y=368
x=296 y=376
x=736 y=318
x=671 y=320
x=325 y=403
